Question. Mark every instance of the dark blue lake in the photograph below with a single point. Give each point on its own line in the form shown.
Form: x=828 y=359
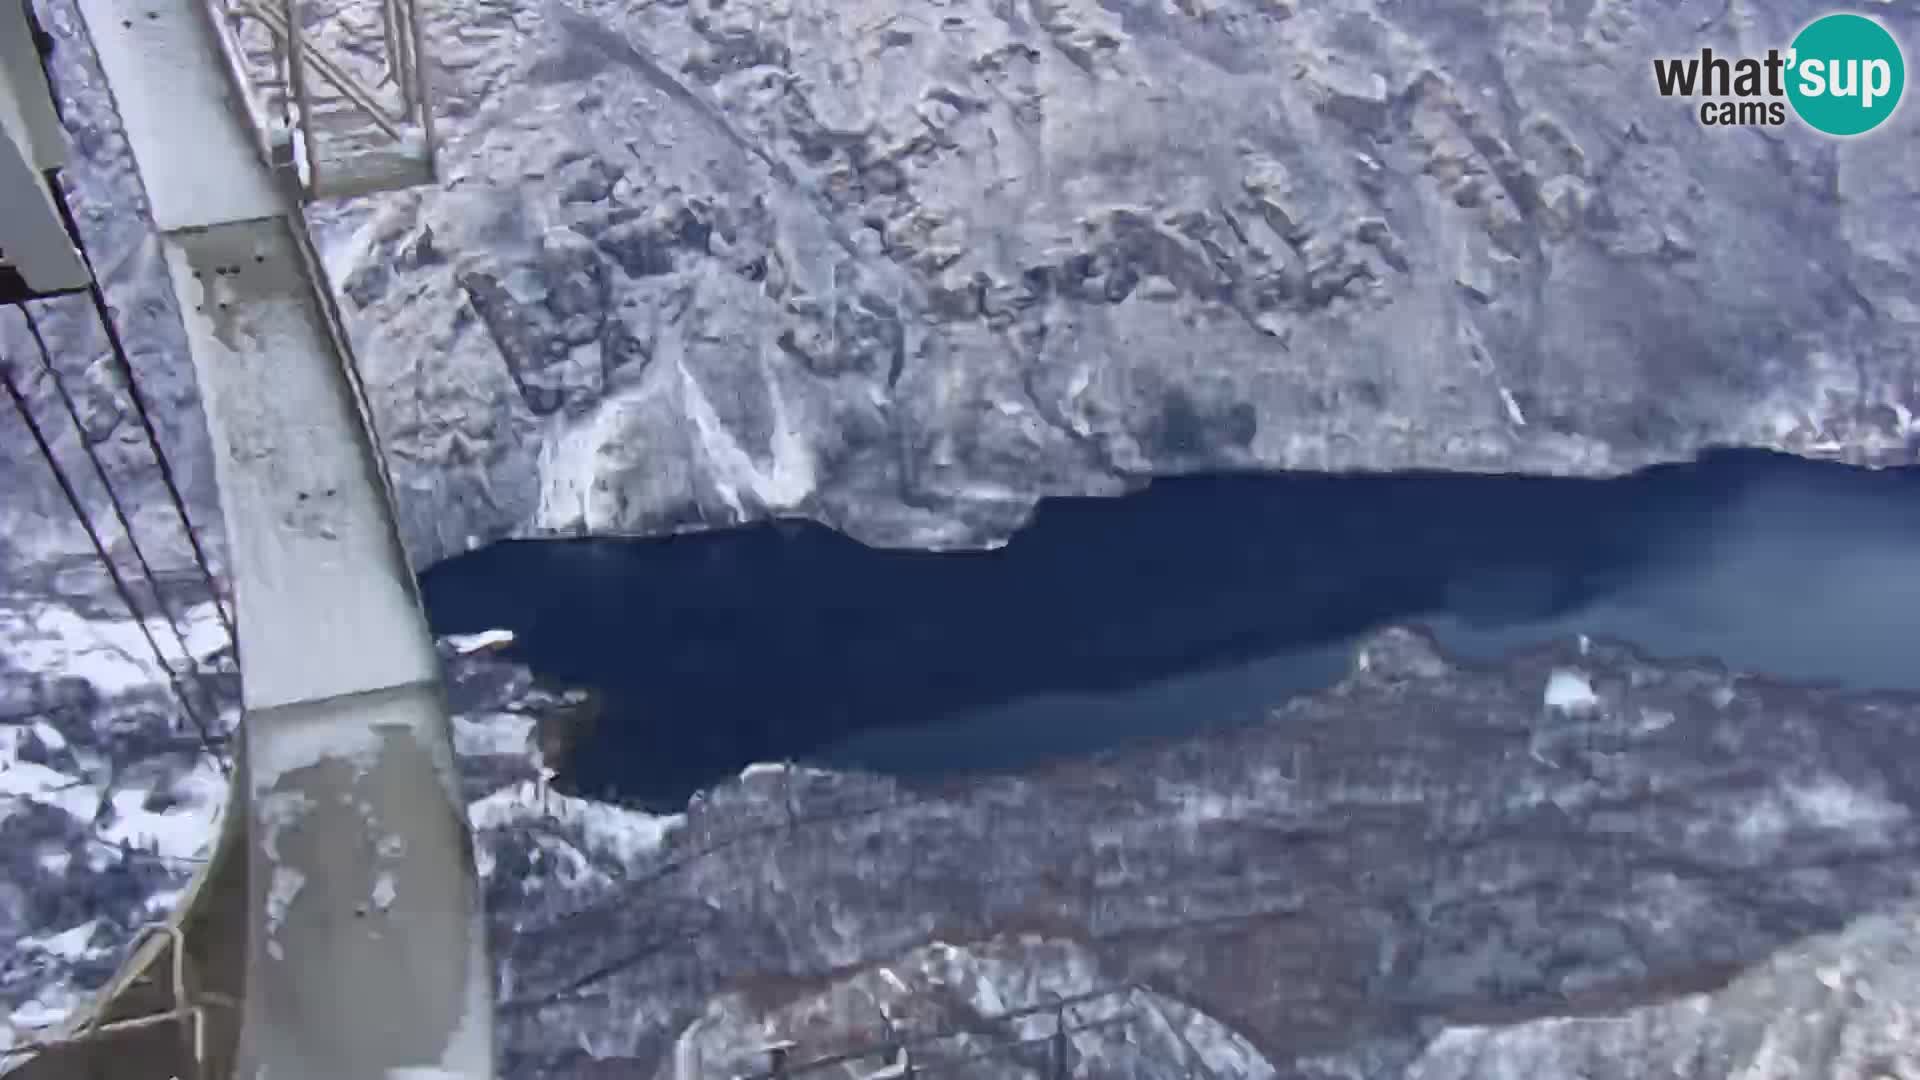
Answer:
x=1200 y=601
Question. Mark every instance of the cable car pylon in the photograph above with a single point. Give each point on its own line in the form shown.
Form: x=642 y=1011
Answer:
x=337 y=931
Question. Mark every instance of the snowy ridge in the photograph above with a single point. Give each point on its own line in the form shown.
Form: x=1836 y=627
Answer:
x=496 y=734
x=1569 y=691
x=599 y=833
x=1184 y=878
x=107 y=804
x=107 y=800
x=111 y=655
x=186 y=824
x=468 y=644
x=954 y=1001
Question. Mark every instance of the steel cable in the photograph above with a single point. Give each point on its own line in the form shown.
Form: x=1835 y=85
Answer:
x=140 y=410
x=24 y=408
x=106 y=483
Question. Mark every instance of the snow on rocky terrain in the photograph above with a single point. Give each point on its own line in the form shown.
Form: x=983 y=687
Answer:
x=108 y=798
x=905 y=272
x=1424 y=860
x=1843 y=1006
x=1428 y=870
x=977 y=1011
x=904 y=269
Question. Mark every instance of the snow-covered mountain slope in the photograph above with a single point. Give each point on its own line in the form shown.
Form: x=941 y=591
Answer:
x=1425 y=869
x=905 y=270
x=1842 y=1006
x=108 y=798
x=979 y=1011
x=1423 y=848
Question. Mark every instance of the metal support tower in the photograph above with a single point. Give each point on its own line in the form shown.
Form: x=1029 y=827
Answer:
x=340 y=916
x=37 y=257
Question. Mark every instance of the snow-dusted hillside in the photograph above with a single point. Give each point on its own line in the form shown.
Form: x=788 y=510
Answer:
x=108 y=799
x=1424 y=854
x=1425 y=869
x=906 y=270
x=980 y=1011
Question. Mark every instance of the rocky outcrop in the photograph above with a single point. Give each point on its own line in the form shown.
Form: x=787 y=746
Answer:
x=1844 y=1006
x=1423 y=860
x=107 y=799
x=905 y=272
x=1576 y=862
x=1017 y=1008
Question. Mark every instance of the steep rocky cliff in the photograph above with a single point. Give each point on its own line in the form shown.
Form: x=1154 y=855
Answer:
x=1575 y=861
x=107 y=799
x=904 y=269
x=1428 y=870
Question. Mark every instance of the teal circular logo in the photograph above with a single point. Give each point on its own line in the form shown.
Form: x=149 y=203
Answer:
x=1846 y=74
